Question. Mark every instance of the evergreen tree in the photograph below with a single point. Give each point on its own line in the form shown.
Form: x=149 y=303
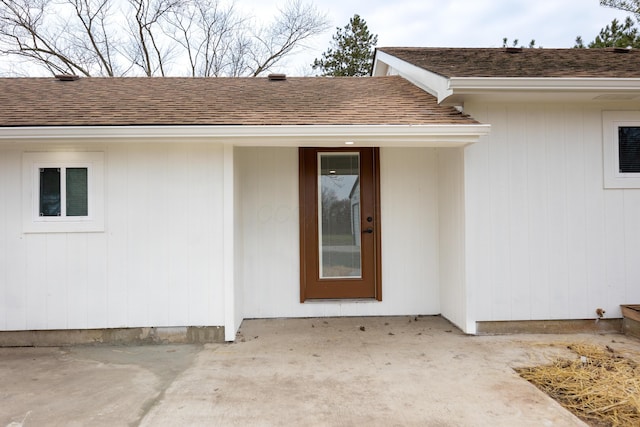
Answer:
x=618 y=35
x=505 y=42
x=351 y=51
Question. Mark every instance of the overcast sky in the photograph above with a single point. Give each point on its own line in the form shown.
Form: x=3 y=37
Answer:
x=444 y=23
x=454 y=23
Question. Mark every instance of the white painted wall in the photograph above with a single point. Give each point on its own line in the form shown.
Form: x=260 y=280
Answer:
x=452 y=234
x=158 y=263
x=544 y=239
x=238 y=244
x=269 y=191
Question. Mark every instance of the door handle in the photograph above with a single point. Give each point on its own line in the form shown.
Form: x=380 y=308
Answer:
x=368 y=230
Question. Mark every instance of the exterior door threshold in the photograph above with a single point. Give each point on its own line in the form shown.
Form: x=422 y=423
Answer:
x=340 y=301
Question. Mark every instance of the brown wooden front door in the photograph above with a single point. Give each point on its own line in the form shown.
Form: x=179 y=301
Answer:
x=339 y=223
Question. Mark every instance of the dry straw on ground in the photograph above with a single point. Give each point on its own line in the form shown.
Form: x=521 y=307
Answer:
x=599 y=385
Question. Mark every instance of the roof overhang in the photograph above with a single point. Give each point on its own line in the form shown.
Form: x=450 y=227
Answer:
x=455 y=91
x=436 y=135
x=461 y=89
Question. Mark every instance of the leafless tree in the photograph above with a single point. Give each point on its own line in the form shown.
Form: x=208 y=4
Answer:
x=34 y=31
x=208 y=34
x=218 y=41
x=151 y=37
x=145 y=48
x=295 y=23
x=97 y=47
x=632 y=6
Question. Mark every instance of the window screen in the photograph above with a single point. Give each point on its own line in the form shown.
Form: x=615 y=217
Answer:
x=50 y=192
x=629 y=149
x=77 y=192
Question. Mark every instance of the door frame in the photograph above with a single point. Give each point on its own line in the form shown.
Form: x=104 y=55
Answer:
x=308 y=189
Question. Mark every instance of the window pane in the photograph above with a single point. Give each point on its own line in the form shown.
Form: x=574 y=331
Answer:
x=629 y=149
x=339 y=213
x=49 y=192
x=77 y=192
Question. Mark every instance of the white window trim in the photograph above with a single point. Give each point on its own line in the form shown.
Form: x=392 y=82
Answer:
x=31 y=219
x=611 y=121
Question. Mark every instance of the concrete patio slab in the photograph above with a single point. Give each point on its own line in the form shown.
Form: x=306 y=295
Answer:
x=86 y=386
x=380 y=371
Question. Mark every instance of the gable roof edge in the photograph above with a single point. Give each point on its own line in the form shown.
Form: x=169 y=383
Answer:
x=432 y=83
x=467 y=74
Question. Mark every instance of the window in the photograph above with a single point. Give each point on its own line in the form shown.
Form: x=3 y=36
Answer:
x=628 y=149
x=621 y=137
x=63 y=192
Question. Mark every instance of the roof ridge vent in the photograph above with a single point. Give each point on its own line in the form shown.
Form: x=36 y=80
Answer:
x=277 y=77
x=616 y=49
x=67 y=77
x=513 y=49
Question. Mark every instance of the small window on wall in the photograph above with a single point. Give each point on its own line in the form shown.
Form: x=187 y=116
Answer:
x=63 y=192
x=621 y=138
x=629 y=149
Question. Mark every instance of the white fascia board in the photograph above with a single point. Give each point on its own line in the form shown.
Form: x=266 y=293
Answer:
x=459 y=85
x=286 y=136
x=430 y=82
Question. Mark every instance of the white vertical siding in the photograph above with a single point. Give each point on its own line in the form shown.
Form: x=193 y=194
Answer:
x=13 y=247
x=269 y=199
x=118 y=256
x=545 y=240
x=451 y=237
x=37 y=287
x=97 y=285
x=410 y=230
x=540 y=160
x=269 y=191
x=232 y=308
x=158 y=262
x=576 y=215
x=238 y=244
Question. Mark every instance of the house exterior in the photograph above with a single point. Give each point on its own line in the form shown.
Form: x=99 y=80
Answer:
x=549 y=220
x=483 y=185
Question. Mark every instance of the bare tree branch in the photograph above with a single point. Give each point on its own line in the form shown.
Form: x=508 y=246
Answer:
x=41 y=32
x=22 y=34
x=145 y=51
x=121 y=37
x=206 y=30
x=297 y=22
x=632 y=6
x=99 y=41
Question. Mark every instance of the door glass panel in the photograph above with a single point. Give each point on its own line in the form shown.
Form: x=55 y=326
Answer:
x=339 y=215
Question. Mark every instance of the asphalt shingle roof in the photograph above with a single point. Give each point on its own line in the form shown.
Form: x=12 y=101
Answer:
x=499 y=62
x=219 y=101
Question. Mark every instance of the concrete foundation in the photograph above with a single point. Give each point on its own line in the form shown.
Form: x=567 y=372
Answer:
x=550 y=327
x=117 y=336
x=631 y=327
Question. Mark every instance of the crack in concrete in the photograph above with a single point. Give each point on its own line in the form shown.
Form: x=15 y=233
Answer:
x=164 y=362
